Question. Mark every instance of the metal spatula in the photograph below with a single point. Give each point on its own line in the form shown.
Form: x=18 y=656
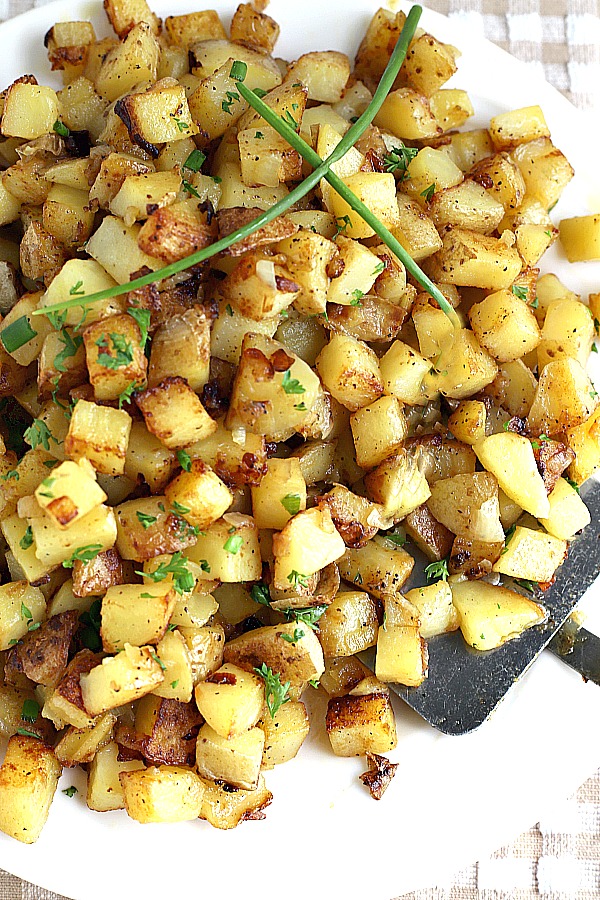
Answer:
x=464 y=686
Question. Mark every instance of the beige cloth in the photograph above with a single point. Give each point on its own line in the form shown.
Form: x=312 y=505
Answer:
x=558 y=859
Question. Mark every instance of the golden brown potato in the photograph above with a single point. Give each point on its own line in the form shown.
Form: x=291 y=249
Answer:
x=28 y=780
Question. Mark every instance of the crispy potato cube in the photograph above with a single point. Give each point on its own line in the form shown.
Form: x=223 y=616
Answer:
x=467 y=422
x=432 y=538
x=65 y=706
x=565 y=398
x=99 y=434
x=17 y=535
x=545 y=170
x=141 y=195
x=79 y=745
x=131 y=62
x=68 y=216
x=69 y=492
x=434 y=606
x=406 y=114
x=518 y=126
x=93 y=578
x=324 y=73
x=510 y=458
x=377 y=190
x=174 y=413
x=174 y=655
x=378 y=567
x=114 y=245
x=342 y=675
x=580 y=237
x=149 y=458
x=501 y=177
x=181 y=346
x=266 y=158
x=298 y=659
x=584 y=440
x=251 y=27
x=356 y=518
x=157 y=116
x=307 y=544
x=136 y=614
x=124 y=14
x=280 y=495
x=398 y=484
x=21 y=605
x=228 y=550
x=30 y=110
x=259 y=287
x=401 y=651
x=402 y=373
x=199 y=495
x=114 y=170
x=231 y=701
x=205 y=646
x=162 y=794
x=28 y=780
x=307 y=257
x=348 y=625
x=466 y=205
x=216 y=104
x=451 y=109
x=104 y=790
x=360 y=724
x=358 y=272
x=235 y=760
x=97 y=531
x=429 y=167
x=229 y=330
x=120 y=679
x=505 y=326
x=204 y=25
x=469 y=259
x=349 y=369
x=468 y=506
x=225 y=808
x=235 y=462
x=532 y=555
x=490 y=615
x=378 y=431
x=568 y=513
x=147 y=528
x=9 y=206
x=284 y=733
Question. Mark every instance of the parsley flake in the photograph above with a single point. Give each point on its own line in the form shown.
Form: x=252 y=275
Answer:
x=276 y=693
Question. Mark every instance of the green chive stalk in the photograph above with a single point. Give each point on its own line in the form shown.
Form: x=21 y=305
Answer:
x=349 y=139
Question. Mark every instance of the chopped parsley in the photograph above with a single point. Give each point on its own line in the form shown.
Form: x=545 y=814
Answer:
x=297 y=579
x=83 y=554
x=437 y=570
x=429 y=192
x=38 y=434
x=398 y=160
x=145 y=519
x=292 y=638
x=70 y=791
x=27 y=539
x=30 y=711
x=276 y=693
x=520 y=291
x=195 y=161
x=291 y=385
x=183 y=579
x=122 y=351
x=357 y=296
x=61 y=129
x=185 y=460
x=142 y=317
x=71 y=346
x=291 y=503
x=260 y=593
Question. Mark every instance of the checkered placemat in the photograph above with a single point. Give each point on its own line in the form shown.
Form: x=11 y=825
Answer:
x=558 y=859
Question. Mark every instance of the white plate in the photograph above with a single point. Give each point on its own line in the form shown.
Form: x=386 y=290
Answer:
x=453 y=800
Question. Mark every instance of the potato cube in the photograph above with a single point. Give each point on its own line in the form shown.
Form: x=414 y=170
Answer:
x=199 y=495
x=307 y=544
x=280 y=495
x=230 y=700
x=361 y=724
x=78 y=746
x=467 y=422
x=490 y=615
x=568 y=331
x=235 y=760
x=30 y=110
x=114 y=245
x=181 y=346
x=532 y=555
x=94 y=532
x=378 y=567
x=505 y=326
x=162 y=794
x=28 y=781
x=518 y=126
x=434 y=606
x=85 y=276
x=398 y=484
x=402 y=372
x=464 y=367
x=284 y=733
x=580 y=237
x=17 y=534
x=358 y=274
x=406 y=114
x=149 y=458
x=157 y=116
x=147 y=528
x=99 y=434
x=510 y=458
x=451 y=109
x=545 y=170
x=307 y=257
x=349 y=370
x=174 y=413
x=174 y=655
x=324 y=73
x=295 y=658
x=228 y=550
x=415 y=230
x=131 y=62
x=21 y=605
x=136 y=614
x=120 y=679
x=565 y=398
x=225 y=809
x=141 y=195
x=69 y=492
x=469 y=259
x=468 y=506
x=348 y=625
x=64 y=706
x=378 y=431
x=104 y=791
x=377 y=190
x=401 y=651
x=568 y=513
x=204 y=25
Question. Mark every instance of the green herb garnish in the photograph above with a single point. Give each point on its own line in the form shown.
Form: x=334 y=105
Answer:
x=276 y=693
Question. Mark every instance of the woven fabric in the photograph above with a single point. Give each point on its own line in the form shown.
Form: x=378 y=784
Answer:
x=558 y=859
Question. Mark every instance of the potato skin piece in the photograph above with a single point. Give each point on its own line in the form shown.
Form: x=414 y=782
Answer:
x=43 y=654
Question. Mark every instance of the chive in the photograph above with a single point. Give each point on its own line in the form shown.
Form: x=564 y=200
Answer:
x=239 y=70
x=349 y=139
x=194 y=161
x=17 y=334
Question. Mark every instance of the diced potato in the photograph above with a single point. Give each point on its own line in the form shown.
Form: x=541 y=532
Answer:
x=545 y=170
x=451 y=108
x=307 y=543
x=464 y=367
x=65 y=706
x=259 y=287
x=568 y=331
x=358 y=273
x=225 y=808
x=432 y=538
x=285 y=733
x=199 y=495
x=469 y=259
x=162 y=794
x=532 y=555
x=156 y=116
x=490 y=615
x=195 y=609
x=565 y=398
x=131 y=62
x=580 y=237
x=468 y=506
x=280 y=495
x=407 y=114
x=398 y=484
x=104 y=791
x=585 y=441
x=228 y=550
x=401 y=651
x=181 y=346
x=114 y=245
x=324 y=73
x=140 y=195
x=510 y=458
x=235 y=760
x=378 y=431
x=147 y=457
x=348 y=625
x=120 y=679
x=174 y=655
x=28 y=781
x=21 y=606
x=357 y=725
x=136 y=614
x=297 y=659
x=430 y=167
x=568 y=513
x=308 y=255
x=467 y=422
x=80 y=745
x=203 y=25
x=231 y=701
x=505 y=326
x=17 y=536
x=30 y=110
x=147 y=528
x=89 y=277
x=96 y=531
x=69 y=492
x=205 y=647
x=378 y=567
x=518 y=126
x=349 y=370
x=174 y=413
x=402 y=372
x=377 y=190
x=434 y=605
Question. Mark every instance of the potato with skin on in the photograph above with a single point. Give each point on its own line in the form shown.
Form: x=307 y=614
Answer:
x=490 y=615
x=42 y=654
x=78 y=746
x=99 y=434
x=162 y=794
x=377 y=567
x=401 y=650
x=432 y=538
x=307 y=543
x=28 y=781
x=136 y=614
x=349 y=369
x=356 y=518
x=199 y=495
x=280 y=495
x=145 y=530
x=296 y=659
x=259 y=287
x=174 y=413
x=65 y=706
x=120 y=679
x=470 y=259
x=532 y=555
x=468 y=506
x=505 y=326
x=348 y=625
x=69 y=492
x=230 y=700
x=510 y=458
x=17 y=599
x=225 y=809
x=360 y=724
